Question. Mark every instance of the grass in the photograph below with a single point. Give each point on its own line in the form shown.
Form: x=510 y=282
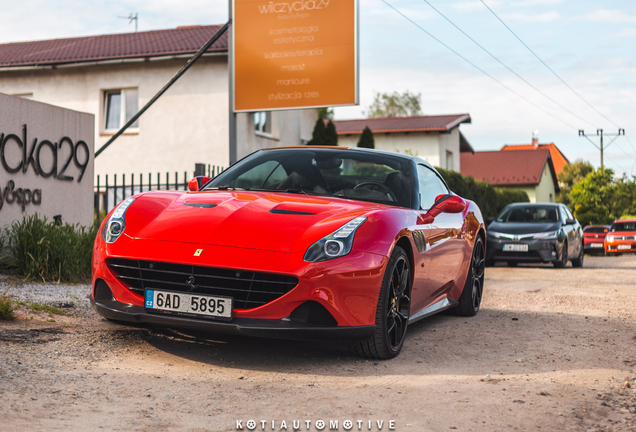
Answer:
x=38 y=307
x=6 y=308
x=35 y=248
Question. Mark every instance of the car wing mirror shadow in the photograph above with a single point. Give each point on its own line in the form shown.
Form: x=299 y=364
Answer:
x=197 y=183
x=443 y=204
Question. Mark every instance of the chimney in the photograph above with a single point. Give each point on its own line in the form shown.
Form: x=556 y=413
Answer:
x=535 y=139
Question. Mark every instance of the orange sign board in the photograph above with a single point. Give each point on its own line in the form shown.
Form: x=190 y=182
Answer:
x=294 y=54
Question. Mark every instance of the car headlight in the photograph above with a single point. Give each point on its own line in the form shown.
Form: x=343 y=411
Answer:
x=547 y=235
x=116 y=222
x=336 y=244
x=494 y=234
x=610 y=238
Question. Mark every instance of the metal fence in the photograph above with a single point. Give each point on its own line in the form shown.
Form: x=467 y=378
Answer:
x=111 y=190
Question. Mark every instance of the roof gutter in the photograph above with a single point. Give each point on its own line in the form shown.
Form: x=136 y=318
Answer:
x=108 y=62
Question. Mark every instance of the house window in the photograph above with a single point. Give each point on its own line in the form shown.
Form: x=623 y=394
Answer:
x=449 y=160
x=263 y=122
x=119 y=107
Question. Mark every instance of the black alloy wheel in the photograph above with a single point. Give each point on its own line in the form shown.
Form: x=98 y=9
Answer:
x=564 y=257
x=392 y=313
x=470 y=299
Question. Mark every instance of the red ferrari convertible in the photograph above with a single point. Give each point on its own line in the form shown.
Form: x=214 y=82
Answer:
x=308 y=243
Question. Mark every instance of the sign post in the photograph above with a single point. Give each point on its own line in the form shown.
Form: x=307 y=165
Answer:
x=294 y=54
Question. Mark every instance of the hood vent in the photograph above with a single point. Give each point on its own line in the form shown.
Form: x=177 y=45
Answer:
x=290 y=212
x=199 y=204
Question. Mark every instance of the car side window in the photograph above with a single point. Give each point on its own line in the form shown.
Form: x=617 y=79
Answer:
x=431 y=186
x=564 y=215
x=569 y=213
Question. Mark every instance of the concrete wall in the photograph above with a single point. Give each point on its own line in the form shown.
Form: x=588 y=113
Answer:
x=39 y=185
x=430 y=146
x=544 y=192
x=288 y=129
x=187 y=125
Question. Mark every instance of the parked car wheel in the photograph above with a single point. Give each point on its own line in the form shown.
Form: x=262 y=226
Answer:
x=392 y=313
x=564 y=257
x=470 y=300
x=578 y=262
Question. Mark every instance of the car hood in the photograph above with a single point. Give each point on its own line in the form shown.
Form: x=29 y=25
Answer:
x=281 y=222
x=523 y=227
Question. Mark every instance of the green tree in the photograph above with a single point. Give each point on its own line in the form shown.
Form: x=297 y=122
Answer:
x=331 y=135
x=572 y=174
x=319 y=133
x=324 y=134
x=593 y=198
x=366 y=139
x=395 y=105
x=325 y=113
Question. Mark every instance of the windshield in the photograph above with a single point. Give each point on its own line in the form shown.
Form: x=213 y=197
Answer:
x=623 y=226
x=540 y=214
x=348 y=174
x=595 y=230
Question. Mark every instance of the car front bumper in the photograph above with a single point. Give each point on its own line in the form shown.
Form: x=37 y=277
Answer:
x=268 y=328
x=539 y=251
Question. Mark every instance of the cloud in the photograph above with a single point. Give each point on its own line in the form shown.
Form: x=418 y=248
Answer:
x=628 y=32
x=544 y=17
x=609 y=16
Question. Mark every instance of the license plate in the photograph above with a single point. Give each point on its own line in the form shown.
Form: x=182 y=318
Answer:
x=624 y=247
x=596 y=245
x=515 y=248
x=178 y=303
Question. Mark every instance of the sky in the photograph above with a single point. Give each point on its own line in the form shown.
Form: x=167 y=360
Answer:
x=589 y=44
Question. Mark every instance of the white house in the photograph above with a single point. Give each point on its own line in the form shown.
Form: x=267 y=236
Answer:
x=113 y=76
x=437 y=139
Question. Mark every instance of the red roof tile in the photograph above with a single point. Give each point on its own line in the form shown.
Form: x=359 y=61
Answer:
x=440 y=123
x=558 y=159
x=508 y=168
x=182 y=40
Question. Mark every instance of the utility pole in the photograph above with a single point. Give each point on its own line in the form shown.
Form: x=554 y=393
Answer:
x=599 y=133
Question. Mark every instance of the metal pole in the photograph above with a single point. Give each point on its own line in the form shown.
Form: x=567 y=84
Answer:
x=601 y=148
x=174 y=79
x=230 y=67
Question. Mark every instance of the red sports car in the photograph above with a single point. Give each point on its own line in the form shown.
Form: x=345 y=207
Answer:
x=297 y=243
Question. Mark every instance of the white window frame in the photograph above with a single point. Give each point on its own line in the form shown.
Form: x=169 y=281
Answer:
x=272 y=133
x=450 y=162
x=122 y=110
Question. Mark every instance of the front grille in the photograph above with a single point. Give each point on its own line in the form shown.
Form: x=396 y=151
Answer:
x=521 y=255
x=248 y=289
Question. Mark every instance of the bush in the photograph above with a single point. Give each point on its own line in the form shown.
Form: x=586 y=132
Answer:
x=490 y=200
x=38 y=249
x=6 y=308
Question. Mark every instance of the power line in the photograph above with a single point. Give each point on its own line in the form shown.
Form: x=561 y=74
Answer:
x=549 y=68
x=477 y=67
x=505 y=65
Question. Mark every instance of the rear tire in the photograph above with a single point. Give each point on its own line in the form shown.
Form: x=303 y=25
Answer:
x=578 y=262
x=393 y=310
x=470 y=300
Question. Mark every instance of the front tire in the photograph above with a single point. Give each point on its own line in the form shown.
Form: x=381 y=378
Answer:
x=470 y=299
x=564 y=257
x=392 y=313
x=578 y=262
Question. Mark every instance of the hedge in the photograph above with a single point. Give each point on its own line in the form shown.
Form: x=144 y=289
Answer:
x=490 y=200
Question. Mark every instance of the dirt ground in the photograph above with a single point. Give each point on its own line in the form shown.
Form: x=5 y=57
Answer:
x=551 y=350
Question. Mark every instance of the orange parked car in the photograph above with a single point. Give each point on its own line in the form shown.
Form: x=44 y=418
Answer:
x=621 y=237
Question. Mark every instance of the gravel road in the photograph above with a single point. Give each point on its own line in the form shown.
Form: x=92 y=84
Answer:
x=550 y=350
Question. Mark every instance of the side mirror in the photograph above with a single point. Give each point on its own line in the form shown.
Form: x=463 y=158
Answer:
x=444 y=204
x=197 y=183
x=570 y=221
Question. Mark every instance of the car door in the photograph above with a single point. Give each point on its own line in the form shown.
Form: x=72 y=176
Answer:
x=569 y=231
x=577 y=234
x=444 y=251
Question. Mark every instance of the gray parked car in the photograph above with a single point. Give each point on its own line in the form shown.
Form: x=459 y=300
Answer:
x=539 y=233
